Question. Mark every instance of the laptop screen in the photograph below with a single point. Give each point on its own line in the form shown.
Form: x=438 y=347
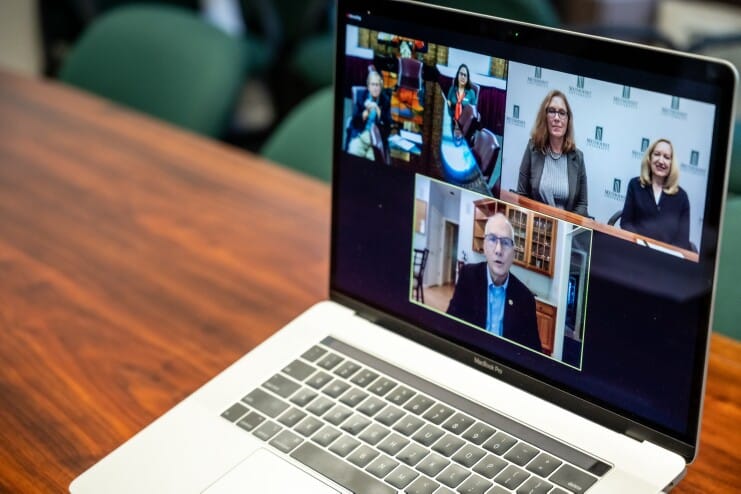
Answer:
x=540 y=204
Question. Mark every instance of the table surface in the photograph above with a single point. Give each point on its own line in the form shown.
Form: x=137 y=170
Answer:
x=138 y=260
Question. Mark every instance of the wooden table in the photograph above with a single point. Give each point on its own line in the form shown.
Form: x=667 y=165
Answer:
x=137 y=261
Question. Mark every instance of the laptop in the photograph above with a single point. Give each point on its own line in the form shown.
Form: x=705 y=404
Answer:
x=525 y=232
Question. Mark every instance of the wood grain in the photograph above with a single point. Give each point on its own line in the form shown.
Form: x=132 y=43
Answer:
x=138 y=260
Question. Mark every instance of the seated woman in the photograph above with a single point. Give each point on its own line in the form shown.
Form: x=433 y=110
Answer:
x=461 y=94
x=372 y=107
x=655 y=205
x=552 y=170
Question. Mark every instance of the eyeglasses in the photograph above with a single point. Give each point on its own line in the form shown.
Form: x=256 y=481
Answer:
x=505 y=242
x=552 y=112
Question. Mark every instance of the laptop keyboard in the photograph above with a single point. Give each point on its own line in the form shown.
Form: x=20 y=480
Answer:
x=374 y=428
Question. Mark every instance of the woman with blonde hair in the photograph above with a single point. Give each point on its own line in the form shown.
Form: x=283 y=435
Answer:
x=552 y=170
x=655 y=205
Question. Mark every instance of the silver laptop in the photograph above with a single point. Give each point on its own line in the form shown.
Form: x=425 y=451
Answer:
x=525 y=230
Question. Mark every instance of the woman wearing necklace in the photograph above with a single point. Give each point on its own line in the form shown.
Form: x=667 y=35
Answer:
x=461 y=94
x=655 y=205
x=552 y=169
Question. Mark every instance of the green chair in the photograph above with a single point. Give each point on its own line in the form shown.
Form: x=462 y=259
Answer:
x=727 y=319
x=161 y=60
x=303 y=139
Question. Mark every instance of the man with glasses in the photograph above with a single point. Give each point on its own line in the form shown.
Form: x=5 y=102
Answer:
x=489 y=296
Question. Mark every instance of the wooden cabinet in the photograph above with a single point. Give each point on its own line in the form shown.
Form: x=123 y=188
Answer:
x=546 y=316
x=535 y=234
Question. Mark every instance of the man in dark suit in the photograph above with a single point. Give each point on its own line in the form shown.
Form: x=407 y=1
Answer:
x=372 y=107
x=491 y=297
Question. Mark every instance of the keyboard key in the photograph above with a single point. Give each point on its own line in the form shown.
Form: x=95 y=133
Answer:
x=432 y=464
x=498 y=489
x=400 y=395
x=234 y=412
x=478 y=433
x=313 y=353
x=422 y=485
x=381 y=386
x=291 y=417
x=401 y=477
x=572 y=479
x=489 y=466
x=319 y=380
x=392 y=444
x=320 y=406
x=347 y=369
x=303 y=397
x=362 y=456
x=500 y=443
x=475 y=485
x=412 y=454
x=338 y=414
x=335 y=388
x=267 y=430
x=448 y=444
x=308 y=426
x=453 y=475
x=299 y=370
x=353 y=396
x=521 y=454
x=390 y=415
x=355 y=424
x=281 y=385
x=382 y=466
x=250 y=421
x=534 y=485
x=338 y=470
x=344 y=445
x=458 y=423
x=329 y=361
x=408 y=425
x=264 y=402
x=438 y=413
x=428 y=434
x=511 y=477
x=372 y=406
x=374 y=433
x=286 y=441
x=469 y=455
x=364 y=378
x=544 y=465
x=326 y=435
x=419 y=404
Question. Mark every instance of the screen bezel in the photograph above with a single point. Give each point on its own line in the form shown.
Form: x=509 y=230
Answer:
x=690 y=68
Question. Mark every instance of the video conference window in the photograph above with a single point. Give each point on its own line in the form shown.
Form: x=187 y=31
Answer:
x=505 y=270
x=427 y=108
x=638 y=167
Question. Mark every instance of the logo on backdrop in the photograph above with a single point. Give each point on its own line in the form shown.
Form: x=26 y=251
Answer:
x=579 y=89
x=638 y=155
x=537 y=78
x=617 y=191
x=624 y=99
x=673 y=111
x=693 y=167
x=514 y=120
x=597 y=142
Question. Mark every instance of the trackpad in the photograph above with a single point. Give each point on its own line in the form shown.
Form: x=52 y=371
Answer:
x=267 y=473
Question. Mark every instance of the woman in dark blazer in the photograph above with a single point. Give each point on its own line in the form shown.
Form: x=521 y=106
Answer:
x=655 y=205
x=552 y=169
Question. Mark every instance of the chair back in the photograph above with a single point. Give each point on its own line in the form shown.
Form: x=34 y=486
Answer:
x=486 y=150
x=410 y=73
x=162 y=60
x=379 y=150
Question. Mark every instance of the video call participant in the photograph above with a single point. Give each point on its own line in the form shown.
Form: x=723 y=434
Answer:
x=372 y=107
x=491 y=297
x=552 y=169
x=461 y=94
x=655 y=205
